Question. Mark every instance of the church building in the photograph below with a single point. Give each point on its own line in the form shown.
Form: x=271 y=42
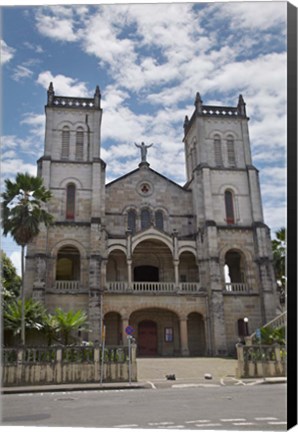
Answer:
x=189 y=268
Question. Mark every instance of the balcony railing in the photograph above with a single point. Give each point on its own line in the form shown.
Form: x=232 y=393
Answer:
x=68 y=286
x=153 y=287
x=238 y=287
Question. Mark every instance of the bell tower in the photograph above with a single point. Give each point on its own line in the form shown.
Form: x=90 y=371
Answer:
x=72 y=250
x=228 y=208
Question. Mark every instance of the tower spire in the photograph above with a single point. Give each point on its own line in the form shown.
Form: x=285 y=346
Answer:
x=241 y=106
x=97 y=97
x=198 y=103
x=51 y=94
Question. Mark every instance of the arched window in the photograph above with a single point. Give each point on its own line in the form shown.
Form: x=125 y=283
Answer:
x=131 y=221
x=80 y=143
x=65 y=143
x=217 y=150
x=145 y=219
x=159 y=220
x=68 y=264
x=236 y=266
x=231 y=151
x=230 y=217
x=70 y=201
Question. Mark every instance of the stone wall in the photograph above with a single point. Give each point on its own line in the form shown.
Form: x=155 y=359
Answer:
x=54 y=365
x=260 y=361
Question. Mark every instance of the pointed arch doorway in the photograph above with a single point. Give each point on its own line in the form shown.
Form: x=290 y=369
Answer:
x=147 y=340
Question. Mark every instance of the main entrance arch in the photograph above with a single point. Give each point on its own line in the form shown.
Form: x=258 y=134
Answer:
x=147 y=338
x=157 y=332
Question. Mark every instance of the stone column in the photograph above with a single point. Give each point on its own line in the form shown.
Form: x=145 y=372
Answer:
x=40 y=278
x=183 y=336
x=95 y=297
x=176 y=268
x=129 y=273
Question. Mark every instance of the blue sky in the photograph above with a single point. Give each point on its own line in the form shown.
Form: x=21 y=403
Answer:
x=149 y=61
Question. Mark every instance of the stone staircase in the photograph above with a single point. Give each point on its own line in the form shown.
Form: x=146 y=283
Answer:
x=278 y=321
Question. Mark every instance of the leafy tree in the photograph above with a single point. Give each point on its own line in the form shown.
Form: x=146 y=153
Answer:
x=279 y=259
x=34 y=315
x=10 y=280
x=23 y=212
x=70 y=321
x=271 y=335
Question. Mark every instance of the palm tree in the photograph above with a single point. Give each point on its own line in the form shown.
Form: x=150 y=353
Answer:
x=23 y=212
x=34 y=314
x=67 y=322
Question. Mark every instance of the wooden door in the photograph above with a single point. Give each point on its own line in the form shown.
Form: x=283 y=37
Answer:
x=147 y=338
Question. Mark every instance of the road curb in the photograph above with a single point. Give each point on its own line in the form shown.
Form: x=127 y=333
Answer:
x=70 y=387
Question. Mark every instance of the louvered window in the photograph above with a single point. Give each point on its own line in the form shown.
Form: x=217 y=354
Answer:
x=231 y=151
x=217 y=151
x=80 y=144
x=65 y=143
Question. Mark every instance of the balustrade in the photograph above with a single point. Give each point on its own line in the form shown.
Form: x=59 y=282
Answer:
x=63 y=286
x=189 y=287
x=153 y=287
x=238 y=287
x=160 y=287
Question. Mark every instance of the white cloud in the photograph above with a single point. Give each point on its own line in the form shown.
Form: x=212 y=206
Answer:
x=27 y=146
x=21 y=72
x=57 y=23
x=63 y=85
x=36 y=123
x=7 y=52
x=34 y=47
x=258 y=16
x=275 y=216
x=10 y=167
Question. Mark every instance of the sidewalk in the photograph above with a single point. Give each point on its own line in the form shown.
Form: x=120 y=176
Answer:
x=73 y=387
x=191 y=371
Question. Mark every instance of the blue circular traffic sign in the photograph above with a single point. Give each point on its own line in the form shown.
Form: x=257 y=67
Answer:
x=129 y=330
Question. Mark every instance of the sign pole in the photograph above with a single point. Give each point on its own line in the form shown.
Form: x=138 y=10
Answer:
x=129 y=331
x=129 y=359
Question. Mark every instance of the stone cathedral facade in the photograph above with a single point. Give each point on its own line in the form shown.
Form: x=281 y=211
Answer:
x=182 y=265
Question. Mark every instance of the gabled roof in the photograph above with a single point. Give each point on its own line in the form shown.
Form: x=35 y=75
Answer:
x=141 y=167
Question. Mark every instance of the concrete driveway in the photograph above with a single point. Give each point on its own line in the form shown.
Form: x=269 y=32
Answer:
x=188 y=370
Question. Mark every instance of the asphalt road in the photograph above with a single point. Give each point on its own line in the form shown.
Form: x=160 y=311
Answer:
x=258 y=407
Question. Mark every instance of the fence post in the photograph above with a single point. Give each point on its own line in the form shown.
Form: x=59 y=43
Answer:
x=59 y=365
x=240 y=357
x=20 y=364
x=278 y=362
x=96 y=363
